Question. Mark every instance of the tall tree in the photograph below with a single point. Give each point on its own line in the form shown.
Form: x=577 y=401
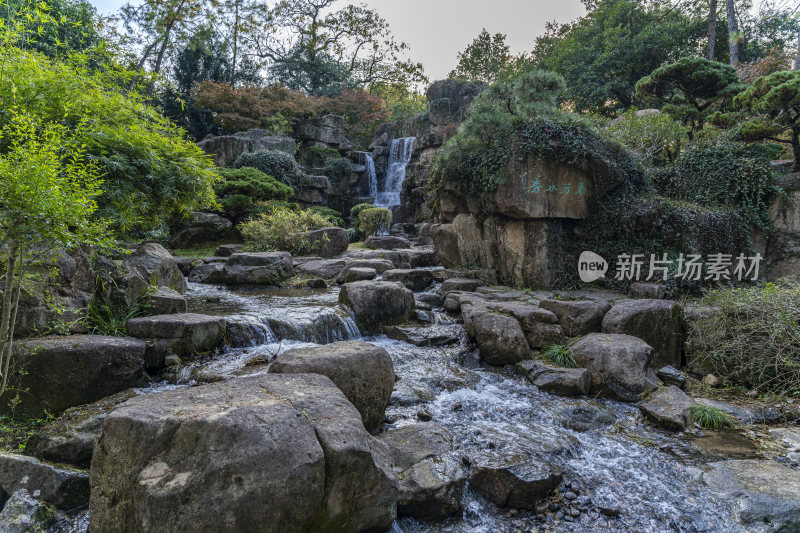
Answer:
x=484 y=59
x=313 y=42
x=734 y=38
x=712 y=29
x=600 y=71
x=156 y=26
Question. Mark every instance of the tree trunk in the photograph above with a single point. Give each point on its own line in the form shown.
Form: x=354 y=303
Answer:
x=795 y=133
x=159 y=59
x=712 y=29
x=235 y=41
x=797 y=58
x=8 y=304
x=733 y=33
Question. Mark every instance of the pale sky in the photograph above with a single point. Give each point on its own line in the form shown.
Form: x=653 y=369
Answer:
x=436 y=30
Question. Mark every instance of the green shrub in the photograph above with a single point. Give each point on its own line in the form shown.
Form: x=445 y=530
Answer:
x=275 y=163
x=752 y=340
x=711 y=418
x=649 y=136
x=729 y=175
x=358 y=208
x=252 y=183
x=236 y=206
x=559 y=355
x=282 y=229
x=373 y=220
x=338 y=169
x=150 y=171
x=335 y=217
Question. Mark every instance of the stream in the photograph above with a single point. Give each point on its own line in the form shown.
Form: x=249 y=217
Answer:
x=610 y=458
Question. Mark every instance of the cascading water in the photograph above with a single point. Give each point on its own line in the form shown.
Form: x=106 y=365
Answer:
x=399 y=156
x=371 y=174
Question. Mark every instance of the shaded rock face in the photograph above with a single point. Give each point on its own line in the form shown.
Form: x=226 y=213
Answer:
x=618 y=364
x=377 y=303
x=668 y=407
x=578 y=317
x=226 y=148
x=313 y=191
x=71 y=438
x=761 y=491
x=166 y=301
x=203 y=228
x=181 y=334
x=431 y=482
x=71 y=288
x=561 y=381
x=445 y=239
x=227 y=250
x=416 y=280
x=323 y=268
x=62 y=372
x=517 y=482
x=65 y=489
x=285 y=453
x=362 y=371
x=657 y=322
x=329 y=242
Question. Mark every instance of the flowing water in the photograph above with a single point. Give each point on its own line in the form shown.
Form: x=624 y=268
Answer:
x=606 y=452
x=369 y=161
x=400 y=153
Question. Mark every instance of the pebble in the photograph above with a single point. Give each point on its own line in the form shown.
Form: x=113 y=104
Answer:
x=457 y=406
x=571 y=496
x=560 y=515
x=424 y=415
x=542 y=507
x=575 y=513
x=554 y=506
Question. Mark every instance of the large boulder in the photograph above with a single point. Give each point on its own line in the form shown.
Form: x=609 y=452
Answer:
x=156 y=265
x=360 y=274
x=431 y=482
x=459 y=284
x=657 y=322
x=258 y=268
x=416 y=280
x=445 y=241
x=561 y=381
x=166 y=301
x=362 y=371
x=499 y=337
x=181 y=334
x=56 y=373
x=618 y=364
x=268 y=453
x=578 y=317
x=377 y=303
x=65 y=489
x=515 y=481
x=668 y=407
x=379 y=265
x=759 y=491
x=329 y=242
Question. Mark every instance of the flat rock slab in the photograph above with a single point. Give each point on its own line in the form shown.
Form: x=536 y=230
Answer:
x=555 y=380
x=362 y=371
x=262 y=268
x=668 y=407
x=386 y=242
x=760 y=491
x=360 y=274
x=459 y=284
x=62 y=372
x=323 y=268
x=271 y=453
x=181 y=334
x=65 y=489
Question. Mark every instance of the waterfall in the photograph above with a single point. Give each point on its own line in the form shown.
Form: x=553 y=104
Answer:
x=399 y=157
x=373 y=177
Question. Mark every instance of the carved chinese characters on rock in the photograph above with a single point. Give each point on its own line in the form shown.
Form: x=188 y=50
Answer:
x=544 y=189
